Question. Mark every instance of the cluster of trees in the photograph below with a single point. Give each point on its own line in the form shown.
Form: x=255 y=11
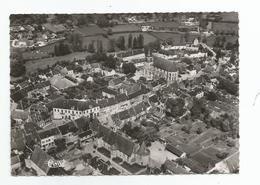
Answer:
x=106 y=60
x=175 y=107
x=198 y=109
x=103 y=21
x=129 y=68
x=99 y=47
x=139 y=134
x=224 y=122
x=84 y=19
x=212 y=96
x=62 y=49
x=232 y=46
x=221 y=42
x=135 y=42
x=110 y=62
x=111 y=45
x=120 y=43
x=229 y=86
x=132 y=43
x=23 y=19
x=76 y=42
x=17 y=68
x=91 y=47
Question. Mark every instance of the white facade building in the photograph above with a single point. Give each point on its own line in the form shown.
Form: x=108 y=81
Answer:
x=73 y=109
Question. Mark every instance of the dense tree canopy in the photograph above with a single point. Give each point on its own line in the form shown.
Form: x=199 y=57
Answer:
x=120 y=43
x=17 y=69
x=76 y=41
x=175 y=107
x=128 y=68
x=61 y=49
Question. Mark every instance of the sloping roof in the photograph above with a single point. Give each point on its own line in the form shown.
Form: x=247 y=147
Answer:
x=61 y=82
x=174 y=150
x=123 y=144
x=164 y=64
x=82 y=123
x=86 y=133
x=17 y=140
x=42 y=84
x=138 y=93
x=23 y=115
x=54 y=27
x=124 y=115
x=130 y=88
x=68 y=127
x=233 y=162
x=195 y=166
x=102 y=103
x=121 y=97
x=95 y=65
x=116 y=81
x=174 y=167
x=110 y=91
x=41 y=158
x=73 y=104
x=143 y=151
x=19 y=95
x=140 y=107
x=48 y=133
x=94 y=125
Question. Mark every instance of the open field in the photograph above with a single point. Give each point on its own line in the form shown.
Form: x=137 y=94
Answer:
x=176 y=38
x=125 y=28
x=33 y=65
x=90 y=30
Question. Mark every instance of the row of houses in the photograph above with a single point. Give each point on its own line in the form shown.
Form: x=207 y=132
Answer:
x=72 y=132
x=135 y=112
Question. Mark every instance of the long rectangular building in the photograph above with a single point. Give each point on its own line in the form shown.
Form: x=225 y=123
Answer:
x=74 y=109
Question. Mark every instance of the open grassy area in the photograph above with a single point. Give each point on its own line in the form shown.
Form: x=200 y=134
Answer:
x=176 y=38
x=90 y=30
x=33 y=65
x=125 y=28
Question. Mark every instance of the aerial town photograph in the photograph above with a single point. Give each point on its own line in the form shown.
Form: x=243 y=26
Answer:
x=124 y=94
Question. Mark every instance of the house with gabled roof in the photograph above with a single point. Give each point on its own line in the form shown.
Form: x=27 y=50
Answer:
x=121 y=146
x=39 y=162
x=48 y=137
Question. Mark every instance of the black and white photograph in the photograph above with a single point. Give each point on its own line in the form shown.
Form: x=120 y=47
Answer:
x=124 y=94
